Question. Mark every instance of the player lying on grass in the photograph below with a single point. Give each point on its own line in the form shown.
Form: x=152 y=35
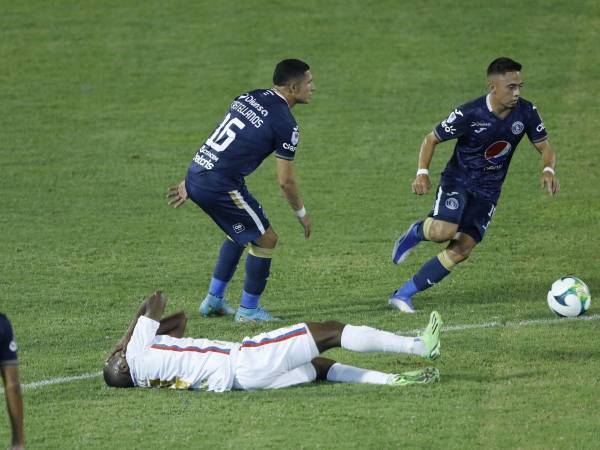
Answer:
x=152 y=353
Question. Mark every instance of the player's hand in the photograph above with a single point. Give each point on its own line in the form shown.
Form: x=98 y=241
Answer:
x=306 y=224
x=550 y=183
x=421 y=185
x=177 y=195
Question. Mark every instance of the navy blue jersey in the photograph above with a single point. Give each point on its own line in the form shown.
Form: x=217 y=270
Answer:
x=8 y=347
x=257 y=124
x=486 y=143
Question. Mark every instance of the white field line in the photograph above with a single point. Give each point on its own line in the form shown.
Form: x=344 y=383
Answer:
x=498 y=324
x=449 y=328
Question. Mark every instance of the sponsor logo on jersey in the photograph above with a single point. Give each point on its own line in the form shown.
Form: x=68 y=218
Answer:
x=497 y=152
x=540 y=127
x=289 y=147
x=295 y=136
x=452 y=203
x=480 y=124
x=479 y=130
x=238 y=228
x=12 y=346
x=517 y=127
x=451 y=118
x=449 y=194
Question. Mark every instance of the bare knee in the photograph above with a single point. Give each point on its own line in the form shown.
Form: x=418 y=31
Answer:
x=322 y=366
x=460 y=249
x=326 y=334
x=441 y=231
x=268 y=240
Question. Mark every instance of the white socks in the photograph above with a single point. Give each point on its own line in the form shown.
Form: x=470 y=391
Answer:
x=350 y=374
x=367 y=339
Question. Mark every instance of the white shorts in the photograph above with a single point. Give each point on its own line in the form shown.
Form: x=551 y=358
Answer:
x=276 y=359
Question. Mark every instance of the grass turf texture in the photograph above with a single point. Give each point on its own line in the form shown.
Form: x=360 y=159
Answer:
x=103 y=105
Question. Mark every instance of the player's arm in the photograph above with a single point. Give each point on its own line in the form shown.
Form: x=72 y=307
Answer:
x=422 y=183
x=286 y=177
x=14 y=404
x=548 y=179
x=151 y=307
x=173 y=325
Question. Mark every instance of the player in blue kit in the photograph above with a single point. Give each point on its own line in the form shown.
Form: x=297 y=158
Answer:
x=10 y=378
x=488 y=130
x=256 y=124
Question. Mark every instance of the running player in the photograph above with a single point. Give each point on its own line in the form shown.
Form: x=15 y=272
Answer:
x=256 y=124
x=488 y=130
x=153 y=354
x=12 y=387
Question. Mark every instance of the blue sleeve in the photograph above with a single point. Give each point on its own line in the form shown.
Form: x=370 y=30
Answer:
x=454 y=126
x=535 y=127
x=8 y=346
x=287 y=138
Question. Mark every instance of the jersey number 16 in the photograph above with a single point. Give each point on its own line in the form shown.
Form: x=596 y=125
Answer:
x=224 y=135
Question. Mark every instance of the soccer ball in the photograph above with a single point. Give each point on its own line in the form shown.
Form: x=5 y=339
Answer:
x=569 y=297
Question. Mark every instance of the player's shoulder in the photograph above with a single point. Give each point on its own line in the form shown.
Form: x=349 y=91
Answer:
x=473 y=106
x=526 y=105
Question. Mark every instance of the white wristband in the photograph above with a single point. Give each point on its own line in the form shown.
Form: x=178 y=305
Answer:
x=300 y=213
x=548 y=169
x=422 y=172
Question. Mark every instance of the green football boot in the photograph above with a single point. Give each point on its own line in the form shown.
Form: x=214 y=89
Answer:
x=431 y=336
x=427 y=375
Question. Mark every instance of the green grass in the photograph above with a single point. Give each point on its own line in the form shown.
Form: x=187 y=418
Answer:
x=103 y=105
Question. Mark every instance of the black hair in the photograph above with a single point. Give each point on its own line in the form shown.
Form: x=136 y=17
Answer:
x=287 y=70
x=500 y=66
x=114 y=377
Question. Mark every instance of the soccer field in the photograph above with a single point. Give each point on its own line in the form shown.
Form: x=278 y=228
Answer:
x=103 y=105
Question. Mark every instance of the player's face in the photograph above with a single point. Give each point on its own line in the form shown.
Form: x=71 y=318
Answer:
x=304 y=88
x=506 y=88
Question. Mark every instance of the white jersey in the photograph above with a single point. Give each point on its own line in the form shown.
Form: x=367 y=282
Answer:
x=179 y=363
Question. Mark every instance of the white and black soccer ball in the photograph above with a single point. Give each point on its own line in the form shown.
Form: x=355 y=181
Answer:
x=569 y=297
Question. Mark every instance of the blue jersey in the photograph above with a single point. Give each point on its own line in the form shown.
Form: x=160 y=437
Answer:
x=257 y=124
x=486 y=144
x=8 y=347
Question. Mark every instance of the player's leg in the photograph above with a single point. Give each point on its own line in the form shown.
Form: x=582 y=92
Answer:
x=258 y=265
x=330 y=370
x=333 y=334
x=442 y=225
x=434 y=228
x=220 y=207
x=227 y=262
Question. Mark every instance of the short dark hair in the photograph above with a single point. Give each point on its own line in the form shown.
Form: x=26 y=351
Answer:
x=114 y=377
x=500 y=66
x=287 y=70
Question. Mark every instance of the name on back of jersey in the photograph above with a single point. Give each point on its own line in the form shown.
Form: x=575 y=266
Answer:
x=247 y=111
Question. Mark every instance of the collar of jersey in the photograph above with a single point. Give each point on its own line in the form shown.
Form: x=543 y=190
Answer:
x=281 y=96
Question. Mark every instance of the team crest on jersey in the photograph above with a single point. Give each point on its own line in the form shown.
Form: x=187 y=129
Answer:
x=295 y=136
x=517 y=127
x=497 y=152
x=452 y=203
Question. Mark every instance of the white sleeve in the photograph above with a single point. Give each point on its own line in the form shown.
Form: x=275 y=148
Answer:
x=142 y=337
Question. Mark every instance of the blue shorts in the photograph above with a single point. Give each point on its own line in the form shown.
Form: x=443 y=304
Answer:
x=236 y=212
x=472 y=214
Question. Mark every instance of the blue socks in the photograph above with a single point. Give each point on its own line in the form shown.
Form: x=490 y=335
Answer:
x=229 y=256
x=430 y=273
x=257 y=273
